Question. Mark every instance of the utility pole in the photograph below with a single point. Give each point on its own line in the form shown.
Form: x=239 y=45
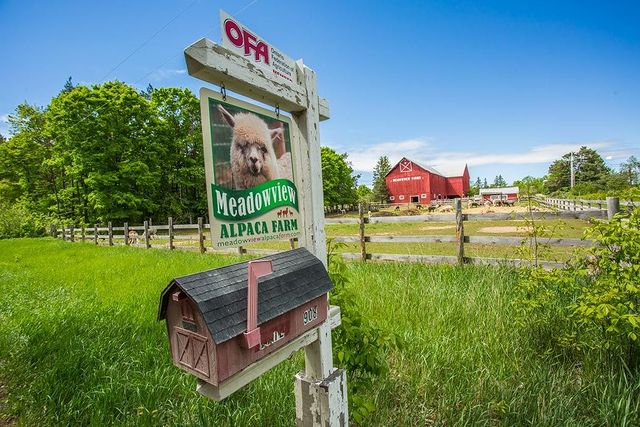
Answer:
x=573 y=172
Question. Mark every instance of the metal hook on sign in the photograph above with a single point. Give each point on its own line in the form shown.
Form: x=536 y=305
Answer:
x=223 y=91
x=277 y=110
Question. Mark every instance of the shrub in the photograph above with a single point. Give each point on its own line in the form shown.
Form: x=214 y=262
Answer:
x=17 y=221
x=593 y=303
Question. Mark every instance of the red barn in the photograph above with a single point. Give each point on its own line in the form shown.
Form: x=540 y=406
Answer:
x=410 y=182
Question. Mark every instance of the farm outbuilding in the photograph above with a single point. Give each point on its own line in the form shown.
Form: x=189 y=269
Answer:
x=500 y=194
x=410 y=182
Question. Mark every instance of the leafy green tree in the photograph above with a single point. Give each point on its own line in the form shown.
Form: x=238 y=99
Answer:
x=364 y=194
x=22 y=170
x=477 y=183
x=182 y=181
x=485 y=184
x=338 y=180
x=106 y=141
x=530 y=185
x=380 y=190
x=590 y=171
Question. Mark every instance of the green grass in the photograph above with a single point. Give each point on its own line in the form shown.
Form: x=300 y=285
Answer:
x=80 y=344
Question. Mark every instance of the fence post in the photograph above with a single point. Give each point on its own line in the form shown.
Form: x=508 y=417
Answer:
x=460 y=231
x=64 y=233
x=171 y=233
x=95 y=233
x=84 y=233
x=363 y=249
x=71 y=236
x=126 y=233
x=52 y=231
x=201 y=235
x=147 y=244
x=613 y=206
x=110 y=227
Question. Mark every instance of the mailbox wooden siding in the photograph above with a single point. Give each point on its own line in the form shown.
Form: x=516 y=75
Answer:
x=206 y=313
x=408 y=179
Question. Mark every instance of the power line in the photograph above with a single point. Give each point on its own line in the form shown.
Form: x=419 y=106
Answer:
x=136 y=50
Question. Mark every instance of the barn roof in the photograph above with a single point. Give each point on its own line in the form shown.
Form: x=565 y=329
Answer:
x=221 y=294
x=448 y=173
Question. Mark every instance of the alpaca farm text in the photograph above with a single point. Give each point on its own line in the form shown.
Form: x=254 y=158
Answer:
x=253 y=203
x=249 y=169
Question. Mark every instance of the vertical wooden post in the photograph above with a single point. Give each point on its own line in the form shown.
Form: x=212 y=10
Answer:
x=64 y=233
x=110 y=230
x=147 y=244
x=306 y=125
x=201 y=235
x=363 y=249
x=126 y=233
x=460 y=231
x=613 y=206
x=84 y=233
x=95 y=233
x=171 y=247
x=52 y=230
x=71 y=233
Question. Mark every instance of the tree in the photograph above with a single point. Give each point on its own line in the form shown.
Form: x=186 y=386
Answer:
x=364 y=194
x=380 y=190
x=107 y=144
x=182 y=183
x=68 y=86
x=590 y=171
x=631 y=170
x=530 y=185
x=338 y=180
x=485 y=184
x=478 y=183
x=499 y=182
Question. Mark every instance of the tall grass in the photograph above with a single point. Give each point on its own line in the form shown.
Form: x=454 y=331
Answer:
x=79 y=344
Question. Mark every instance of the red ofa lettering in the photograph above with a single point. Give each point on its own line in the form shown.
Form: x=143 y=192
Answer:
x=240 y=37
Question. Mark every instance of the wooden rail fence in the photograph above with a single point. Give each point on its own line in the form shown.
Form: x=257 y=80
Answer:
x=459 y=238
x=608 y=207
x=155 y=236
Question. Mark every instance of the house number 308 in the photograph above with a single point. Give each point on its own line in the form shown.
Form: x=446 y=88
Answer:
x=310 y=315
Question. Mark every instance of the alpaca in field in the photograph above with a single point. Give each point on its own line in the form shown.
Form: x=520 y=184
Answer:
x=253 y=159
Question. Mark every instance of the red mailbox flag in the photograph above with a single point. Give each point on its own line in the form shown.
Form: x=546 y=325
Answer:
x=256 y=269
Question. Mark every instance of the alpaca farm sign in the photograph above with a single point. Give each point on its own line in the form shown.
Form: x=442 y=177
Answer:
x=249 y=172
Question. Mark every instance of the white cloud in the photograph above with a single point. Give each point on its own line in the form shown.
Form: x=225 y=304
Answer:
x=163 y=74
x=452 y=162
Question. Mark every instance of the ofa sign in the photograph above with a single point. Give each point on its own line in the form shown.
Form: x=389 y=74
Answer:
x=249 y=172
x=241 y=40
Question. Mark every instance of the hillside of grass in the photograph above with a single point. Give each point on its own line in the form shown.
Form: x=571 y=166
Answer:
x=80 y=344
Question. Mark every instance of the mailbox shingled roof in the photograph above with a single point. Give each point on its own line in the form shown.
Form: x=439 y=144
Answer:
x=221 y=293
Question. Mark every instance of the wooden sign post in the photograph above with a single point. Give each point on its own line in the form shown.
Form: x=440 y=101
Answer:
x=321 y=393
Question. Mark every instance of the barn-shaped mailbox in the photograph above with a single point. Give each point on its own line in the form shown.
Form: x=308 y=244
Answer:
x=215 y=328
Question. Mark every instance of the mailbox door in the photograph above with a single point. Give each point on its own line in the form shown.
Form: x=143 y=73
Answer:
x=192 y=351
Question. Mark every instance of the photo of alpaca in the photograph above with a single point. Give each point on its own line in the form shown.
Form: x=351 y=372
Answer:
x=257 y=153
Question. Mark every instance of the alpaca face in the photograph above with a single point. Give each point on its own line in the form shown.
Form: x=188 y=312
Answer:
x=253 y=153
x=253 y=159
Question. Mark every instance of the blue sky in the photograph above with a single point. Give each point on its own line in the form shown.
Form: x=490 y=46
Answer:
x=504 y=86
